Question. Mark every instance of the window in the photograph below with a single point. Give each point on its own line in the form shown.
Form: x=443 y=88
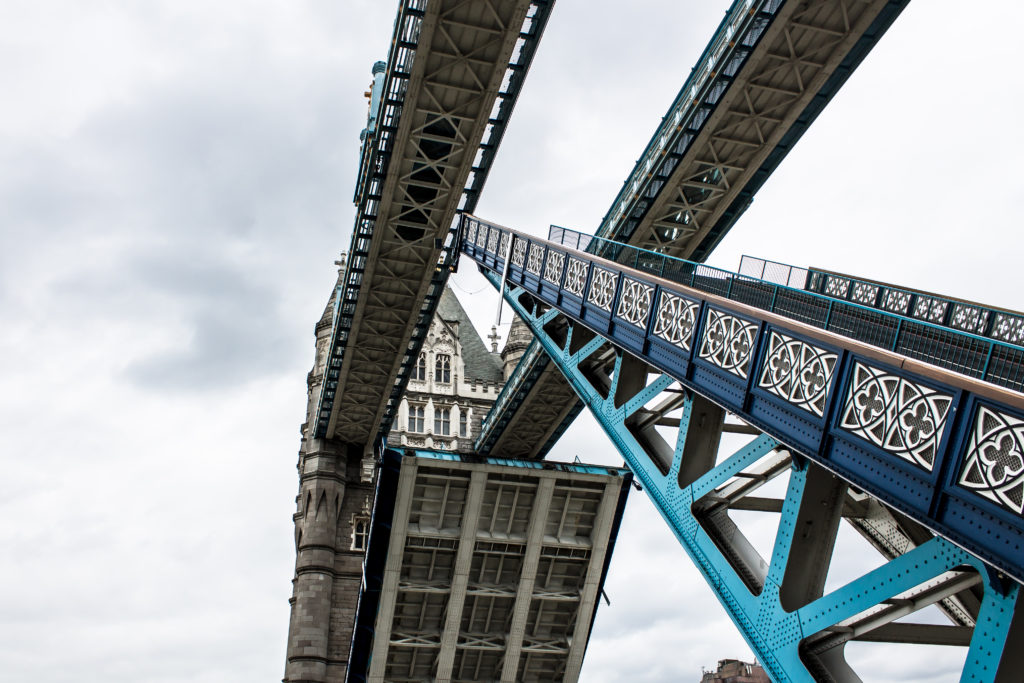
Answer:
x=360 y=532
x=419 y=371
x=443 y=368
x=442 y=421
x=415 y=418
x=463 y=423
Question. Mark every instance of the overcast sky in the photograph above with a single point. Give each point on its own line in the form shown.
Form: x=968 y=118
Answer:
x=175 y=184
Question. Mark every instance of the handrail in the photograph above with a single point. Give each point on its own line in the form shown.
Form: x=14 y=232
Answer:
x=923 y=437
x=968 y=354
x=992 y=323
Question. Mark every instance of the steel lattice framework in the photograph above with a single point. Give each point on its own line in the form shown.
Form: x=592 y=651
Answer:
x=913 y=447
x=492 y=569
x=768 y=72
x=916 y=448
x=451 y=80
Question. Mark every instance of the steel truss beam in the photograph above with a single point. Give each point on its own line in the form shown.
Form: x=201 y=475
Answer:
x=796 y=628
x=940 y=447
x=769 y=70
x=452 y=78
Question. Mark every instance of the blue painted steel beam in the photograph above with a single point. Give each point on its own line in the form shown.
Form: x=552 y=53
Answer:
x=946 y=450
x=802 y=642
x=880 y=315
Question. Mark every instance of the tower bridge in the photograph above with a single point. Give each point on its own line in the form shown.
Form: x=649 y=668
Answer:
x=768 y=71
x=896 y=411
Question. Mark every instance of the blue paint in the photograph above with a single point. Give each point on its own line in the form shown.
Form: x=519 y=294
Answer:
x=925 y=495
x=773 y=633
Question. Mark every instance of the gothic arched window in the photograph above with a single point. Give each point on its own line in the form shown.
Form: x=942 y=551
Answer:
x=442 y=421
x=415 y=418
x=443 y=368
x=419 y=371
x=360 y=532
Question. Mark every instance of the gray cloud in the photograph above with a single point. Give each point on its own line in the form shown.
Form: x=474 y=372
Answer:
x=175 y=182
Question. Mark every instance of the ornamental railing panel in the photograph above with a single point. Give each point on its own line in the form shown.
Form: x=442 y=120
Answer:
x=932 y=442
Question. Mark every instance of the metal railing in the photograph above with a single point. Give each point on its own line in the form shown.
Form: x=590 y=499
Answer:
x=380 y=148
x=967 y=353
x=984 y=321
x=773 y=271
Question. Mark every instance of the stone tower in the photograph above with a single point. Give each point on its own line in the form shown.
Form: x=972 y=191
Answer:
x=519 y=338
x=331 y=524
x=454 y=385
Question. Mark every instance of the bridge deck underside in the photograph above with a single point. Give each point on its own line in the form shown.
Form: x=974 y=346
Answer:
x=484 y=570
x=445 y=72
x=762 y=82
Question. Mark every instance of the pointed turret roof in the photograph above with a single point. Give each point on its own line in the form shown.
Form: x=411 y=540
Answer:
x=480 y=363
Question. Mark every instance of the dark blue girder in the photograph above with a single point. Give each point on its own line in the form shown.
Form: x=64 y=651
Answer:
x=943 y=448
x=610 y=328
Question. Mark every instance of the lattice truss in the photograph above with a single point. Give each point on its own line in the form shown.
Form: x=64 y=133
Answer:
x=459 y=52
x=497 y=578
x=717 y=151
x=534 y=425
x=793 y=600
x=755 y=92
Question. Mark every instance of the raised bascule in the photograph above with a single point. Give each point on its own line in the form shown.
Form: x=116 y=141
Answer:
x=815 y=396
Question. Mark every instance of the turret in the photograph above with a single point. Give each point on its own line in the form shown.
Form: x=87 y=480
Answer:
x=367 y=135
x=519 y=337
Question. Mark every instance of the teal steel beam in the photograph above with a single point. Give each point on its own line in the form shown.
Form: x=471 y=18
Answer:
x=796 y=629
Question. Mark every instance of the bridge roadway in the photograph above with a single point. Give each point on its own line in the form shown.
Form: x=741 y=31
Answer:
x=925 y=455
x=766 y=74
x=437 y=115
x=919 y=420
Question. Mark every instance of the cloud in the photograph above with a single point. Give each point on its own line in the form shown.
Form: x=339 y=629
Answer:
x=175 y=184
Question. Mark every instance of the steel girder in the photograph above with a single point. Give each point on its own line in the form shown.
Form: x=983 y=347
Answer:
x=766 y=74
x=940 y=447
x=669 y=436
x=453 y=74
